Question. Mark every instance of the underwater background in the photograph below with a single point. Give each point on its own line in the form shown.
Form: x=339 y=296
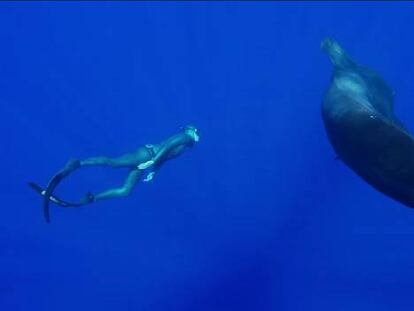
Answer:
x=258 y=216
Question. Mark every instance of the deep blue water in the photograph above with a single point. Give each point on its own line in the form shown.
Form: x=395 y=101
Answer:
x=258 y=216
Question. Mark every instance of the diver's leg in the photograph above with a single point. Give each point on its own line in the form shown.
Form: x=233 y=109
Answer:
x=127 y=160
x=130 y=182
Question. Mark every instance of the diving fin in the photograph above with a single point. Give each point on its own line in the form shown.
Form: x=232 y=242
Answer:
x=54 y=182
x=52 y=198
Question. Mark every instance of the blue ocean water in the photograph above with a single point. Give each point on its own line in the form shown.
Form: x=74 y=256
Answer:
x=258 y=216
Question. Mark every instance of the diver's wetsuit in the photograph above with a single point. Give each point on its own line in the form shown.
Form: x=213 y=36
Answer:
x=151 y=157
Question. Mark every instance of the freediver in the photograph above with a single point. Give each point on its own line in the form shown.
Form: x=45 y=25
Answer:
x=148 y=158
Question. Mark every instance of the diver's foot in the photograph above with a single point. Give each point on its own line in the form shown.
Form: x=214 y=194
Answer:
x=88 y=198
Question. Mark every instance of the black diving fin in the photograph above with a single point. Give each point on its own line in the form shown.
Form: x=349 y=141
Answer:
x=54 y=182
x=52 y=198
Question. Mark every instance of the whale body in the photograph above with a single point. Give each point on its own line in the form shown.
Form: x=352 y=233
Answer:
x=359 y=119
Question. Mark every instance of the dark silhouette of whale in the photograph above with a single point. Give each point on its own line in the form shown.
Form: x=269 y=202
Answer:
x=359 y=119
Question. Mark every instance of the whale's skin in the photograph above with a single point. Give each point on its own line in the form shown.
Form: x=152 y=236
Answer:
x=358 y=115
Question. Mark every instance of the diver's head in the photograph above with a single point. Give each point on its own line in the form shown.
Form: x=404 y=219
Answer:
x=192 y=132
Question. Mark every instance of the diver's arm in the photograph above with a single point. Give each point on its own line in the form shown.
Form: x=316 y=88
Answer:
x=175 y=142
x=125 y=190
x=168 y=146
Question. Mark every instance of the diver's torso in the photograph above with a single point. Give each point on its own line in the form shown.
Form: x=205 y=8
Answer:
x=179 y=142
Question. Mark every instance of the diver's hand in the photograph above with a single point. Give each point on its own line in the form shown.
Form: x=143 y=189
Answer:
x=146 y=165
x=149 y=177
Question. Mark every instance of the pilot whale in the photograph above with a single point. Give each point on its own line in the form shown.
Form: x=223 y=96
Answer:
x=358 y=114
